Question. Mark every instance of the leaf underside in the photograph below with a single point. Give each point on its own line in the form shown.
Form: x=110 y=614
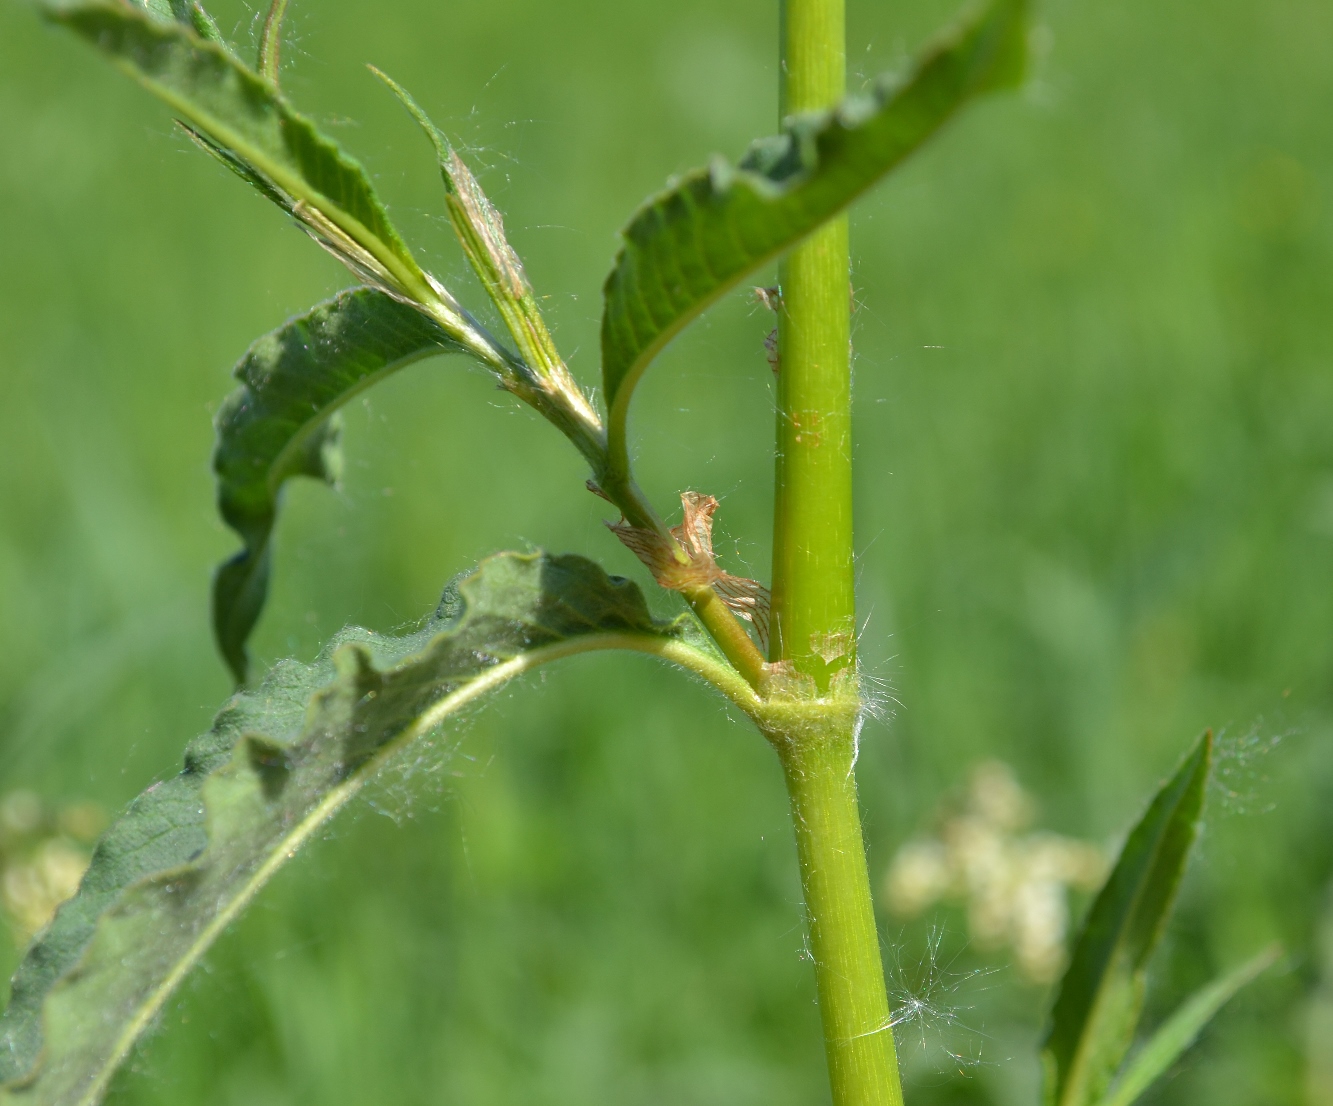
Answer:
x=1101 y=994
x=190 y=852
x=244 y=119
x=279 y=423
x=687 y=246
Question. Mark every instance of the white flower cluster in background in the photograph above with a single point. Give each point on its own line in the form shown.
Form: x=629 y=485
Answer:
x=1013 y=884
x=43 y=854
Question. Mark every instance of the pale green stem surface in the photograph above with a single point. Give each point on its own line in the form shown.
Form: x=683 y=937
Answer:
x=814 y=611
x=858 y=1029
x=814 y=606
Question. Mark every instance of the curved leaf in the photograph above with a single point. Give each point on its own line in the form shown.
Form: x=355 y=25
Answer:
x=239 y=116
x=1101 y=994
x=189 y=854
x=278 y=424
x=686 y=247
x=1181 y=1030
x=246 y=121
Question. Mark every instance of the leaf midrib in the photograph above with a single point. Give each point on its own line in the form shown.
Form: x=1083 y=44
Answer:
x=670 y=649
x=406 y=272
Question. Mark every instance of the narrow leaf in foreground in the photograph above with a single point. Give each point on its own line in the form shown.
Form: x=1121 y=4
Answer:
x=1182 y=1029
x=279 y=424
x=191 y=852
x=686 y=247
x=1101 y=995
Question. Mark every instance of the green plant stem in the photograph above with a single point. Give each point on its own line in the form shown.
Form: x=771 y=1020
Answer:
x=730 y=636
x=813 y=574
x=858 y=1031
x=814 y=607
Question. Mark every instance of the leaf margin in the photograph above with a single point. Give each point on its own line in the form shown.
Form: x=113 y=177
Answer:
x=306 y=352
x=351 y=659
x=794 y=154
x=1079 y=1067
x=364 y=239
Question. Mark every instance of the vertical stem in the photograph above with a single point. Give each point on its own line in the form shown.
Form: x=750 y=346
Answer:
x=814 y=610
x=858 y=1033
x=813 y=605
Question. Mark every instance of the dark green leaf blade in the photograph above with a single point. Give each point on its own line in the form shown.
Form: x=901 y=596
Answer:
x=279 y=424
x=1101 y=994
x=686 y=247
x=190 y=852
x=1181 y=1030
x=243 y=113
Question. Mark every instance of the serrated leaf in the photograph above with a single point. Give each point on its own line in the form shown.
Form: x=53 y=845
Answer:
x=278 y=424
x=244 y=115
x=1101 y=994
x=686 y=247
x=189 y=854
x=240 y=117
x=1182 y=1029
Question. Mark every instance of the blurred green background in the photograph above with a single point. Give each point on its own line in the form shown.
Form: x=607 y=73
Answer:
x=1094 y=398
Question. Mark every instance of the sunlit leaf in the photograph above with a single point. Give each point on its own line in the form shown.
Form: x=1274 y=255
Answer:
x=687 y=246
x=546 y=382
x=240 y=117
x=243 y=116
x=278 y=424
x=188 y=855
x=1101 y=995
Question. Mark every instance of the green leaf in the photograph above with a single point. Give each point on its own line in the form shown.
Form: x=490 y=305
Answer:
x=686 y=247
x=542 y=379
x=1101 y=995
x=479 y=228
x=1182 y=1029
x=189 y=12
x=190 y=853
x=278 y=424
x=241 y=118
x=242 y=115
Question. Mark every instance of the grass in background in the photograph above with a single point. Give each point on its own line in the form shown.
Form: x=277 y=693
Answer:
x=1094 y=398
